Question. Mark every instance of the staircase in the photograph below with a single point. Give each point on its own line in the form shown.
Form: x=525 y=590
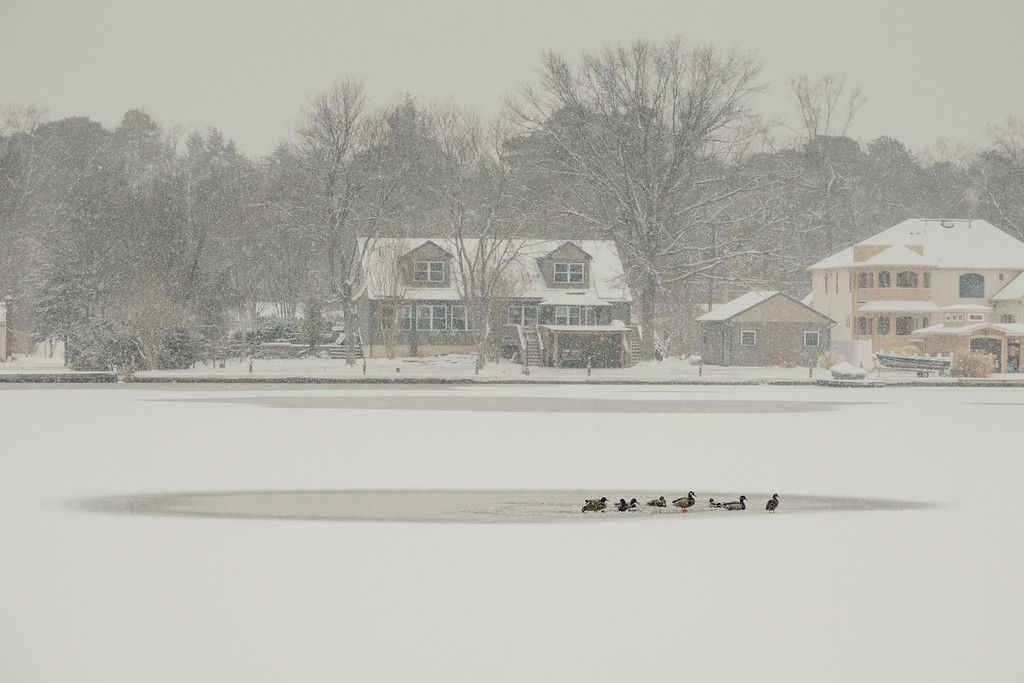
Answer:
x=532 y=350
x=337 y=351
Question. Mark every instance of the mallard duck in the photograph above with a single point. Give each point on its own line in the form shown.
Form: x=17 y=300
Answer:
x=658 y=502
x=622 y=505
x=685 y=504
x=773 y=503
x=740 y=504
x=595 y=504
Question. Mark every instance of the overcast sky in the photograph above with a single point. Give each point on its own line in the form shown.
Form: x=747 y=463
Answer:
x=930 y=69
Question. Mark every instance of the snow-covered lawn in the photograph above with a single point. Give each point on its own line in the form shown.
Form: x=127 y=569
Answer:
x=924 y=594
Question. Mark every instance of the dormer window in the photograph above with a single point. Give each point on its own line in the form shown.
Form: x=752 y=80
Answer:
x=429 y=271
x=569 y=273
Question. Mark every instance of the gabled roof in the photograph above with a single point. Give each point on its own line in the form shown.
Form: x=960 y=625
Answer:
x=960 y=243
x=899 y=255
x=747 y=301
x=607 y=282
x=738 y=305
x=1013 y=291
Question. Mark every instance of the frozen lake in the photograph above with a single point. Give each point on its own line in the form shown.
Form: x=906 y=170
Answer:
x=208 y=550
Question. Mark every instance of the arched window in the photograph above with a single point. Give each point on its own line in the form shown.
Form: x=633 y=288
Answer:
x=972 y=286
x=884 y=279
x=906 y=278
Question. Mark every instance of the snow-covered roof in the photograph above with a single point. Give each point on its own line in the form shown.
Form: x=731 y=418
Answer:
x=966 y=307
x=1013 y=291
x=570 y=298
x=583 y=328
x=899 y=255
x=1011 y=329
x=898 y=306
x=944 y=244
x=840 y=259
x=738 y=305
x=606 y=285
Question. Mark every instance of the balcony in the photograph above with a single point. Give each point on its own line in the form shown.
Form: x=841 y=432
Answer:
x=893 y=294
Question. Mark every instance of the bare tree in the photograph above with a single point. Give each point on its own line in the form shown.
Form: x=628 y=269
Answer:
x=639 y=137
x=826 y=108
x=478 y=209
x=357 y=164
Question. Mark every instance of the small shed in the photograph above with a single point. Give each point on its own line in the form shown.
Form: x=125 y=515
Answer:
x=764 y=328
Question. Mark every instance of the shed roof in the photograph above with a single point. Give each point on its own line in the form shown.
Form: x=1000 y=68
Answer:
x=749 y=300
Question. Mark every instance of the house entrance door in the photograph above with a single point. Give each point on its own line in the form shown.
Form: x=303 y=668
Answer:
x=992 y=346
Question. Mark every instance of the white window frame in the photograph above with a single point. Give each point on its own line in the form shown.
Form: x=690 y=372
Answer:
x=975 y=317
x=464 y=318
x=428 y=270
x=571 y=274
x=753 y=335
x=817 y=338
x=564 y=315
x=517 y=315
x=435 y=316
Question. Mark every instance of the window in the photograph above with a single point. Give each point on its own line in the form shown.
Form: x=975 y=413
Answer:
x=589 y=315
x=927 y=280
x=884 y=279
x=904 y=325
x=906 y=278
x=954 y=317
x=429 y=271
x=866 y=280
x=975 y=317
x=748 y=338
x=459 y=319
x=810 y=339
x=883 y=325
x=1000 y=277
x=405 y=317
x=567 y=315
x=1007 y=318
x=569 y=273
x=972 y=286
x=863 y=325
x=924 y=321
x=522 y=315
x=828 y=282
x=431 y=317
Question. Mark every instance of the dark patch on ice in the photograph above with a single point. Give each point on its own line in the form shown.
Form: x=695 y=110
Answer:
x=522 y=404
x=439 y=506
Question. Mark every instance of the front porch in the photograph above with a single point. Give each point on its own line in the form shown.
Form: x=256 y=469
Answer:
x=598 y=346
x=1001 y=341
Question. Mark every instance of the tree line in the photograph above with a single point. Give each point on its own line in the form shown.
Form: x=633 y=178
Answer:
x=138 y=242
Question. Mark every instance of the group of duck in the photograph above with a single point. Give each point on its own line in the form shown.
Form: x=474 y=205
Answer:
x=684 y=504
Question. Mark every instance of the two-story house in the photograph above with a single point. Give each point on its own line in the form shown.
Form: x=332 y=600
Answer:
x=561 y=303
x=914 y=276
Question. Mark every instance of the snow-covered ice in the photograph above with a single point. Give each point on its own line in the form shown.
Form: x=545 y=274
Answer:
x=918 y=594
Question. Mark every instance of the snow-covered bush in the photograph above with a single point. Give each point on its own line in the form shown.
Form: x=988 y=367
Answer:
x=972 y=364
x=180 y=349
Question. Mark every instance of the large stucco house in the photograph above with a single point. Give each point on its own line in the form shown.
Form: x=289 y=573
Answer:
x=901 y=285
x=565 y=302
